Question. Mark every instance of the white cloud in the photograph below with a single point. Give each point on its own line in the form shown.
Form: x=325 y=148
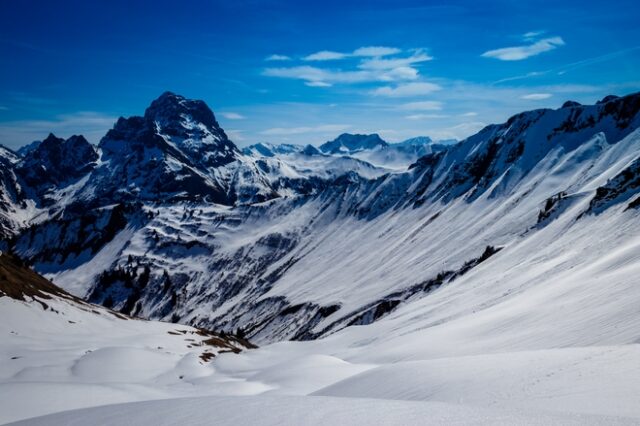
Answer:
x=422 y=106
x=287 y=131
x=406 y=90
x=425 y=116
x=376 y=51
x=277 y=58
x=375 y=64
x=395 y=74
x=469 y=114
x=321 y=77
x=325 y=55
x=317 y=84
x=93 y=125
x=536 y=96
x=517 y=53
x=390 y=63
x=235 y=135
x=317 y=75
x=232 y=116
x=366 y=51
x=531 y=35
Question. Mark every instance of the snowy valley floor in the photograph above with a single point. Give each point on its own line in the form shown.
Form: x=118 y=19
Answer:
x=67 y=358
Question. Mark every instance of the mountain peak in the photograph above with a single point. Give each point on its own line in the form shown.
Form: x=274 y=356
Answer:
x=56 y=162
x=418 y=140
x=348 y=143
x=170 y=108
x=52 y=139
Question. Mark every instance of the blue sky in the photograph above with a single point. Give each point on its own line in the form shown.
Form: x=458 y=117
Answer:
x=303 y=72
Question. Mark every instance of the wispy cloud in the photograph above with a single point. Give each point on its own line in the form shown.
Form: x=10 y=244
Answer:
x=366 y=51
x=518 y=53
x=571 y=66
x=391 y=63
x=422 y=106
x=317 y=84
x=276 y=57
x=406 y=90
x=376 y=51
x=380 y=64
x=235 y=135
x=425 y=116
x=287 y=131
x=325 y=55
x=232 y=116
x=323 y=77
x=536 y=96
x=532 y=35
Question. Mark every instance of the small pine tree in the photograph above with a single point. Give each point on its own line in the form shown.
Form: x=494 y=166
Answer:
x=240 y=334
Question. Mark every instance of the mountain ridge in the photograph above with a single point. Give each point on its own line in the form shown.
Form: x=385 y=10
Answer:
x=221 y=265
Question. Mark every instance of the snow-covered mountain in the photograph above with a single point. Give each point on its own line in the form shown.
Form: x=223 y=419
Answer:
x=56 y=163
x=516 y=247
x=348 y=144
x=228 y=265
x=264 y=149
x=13 y=200
x=374 y=150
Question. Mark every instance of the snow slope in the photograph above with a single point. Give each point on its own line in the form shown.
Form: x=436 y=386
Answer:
x=492 y=218
x=495 y=275
x=295 y=410
x=60 y=353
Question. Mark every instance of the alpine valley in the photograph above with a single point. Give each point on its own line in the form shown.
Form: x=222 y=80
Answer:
x=490 y=280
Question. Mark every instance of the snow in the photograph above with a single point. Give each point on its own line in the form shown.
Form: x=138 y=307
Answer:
x=79 y=276
x=545 y=331
x=560 y=380
x=392 y=372
x=295 y=410
x=72 y=356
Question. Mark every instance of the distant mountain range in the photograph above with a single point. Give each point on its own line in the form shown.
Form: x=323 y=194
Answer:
x=168 y=219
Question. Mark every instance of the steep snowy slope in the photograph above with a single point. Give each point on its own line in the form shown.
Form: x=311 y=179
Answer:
x=62 y=353
x=59 y=352
x=350 y=249
x=13 y=201
x=494 y=275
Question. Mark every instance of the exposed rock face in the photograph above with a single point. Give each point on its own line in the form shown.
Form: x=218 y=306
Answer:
x=191 y=126
x=263 y=239
x=56 y=162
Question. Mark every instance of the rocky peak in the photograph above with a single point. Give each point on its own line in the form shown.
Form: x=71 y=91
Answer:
x=57 y=153
x=349 y=143
x=177 y=150
x=56 y=161
x=177 y=116
x=184 y=128
x=169 y=108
